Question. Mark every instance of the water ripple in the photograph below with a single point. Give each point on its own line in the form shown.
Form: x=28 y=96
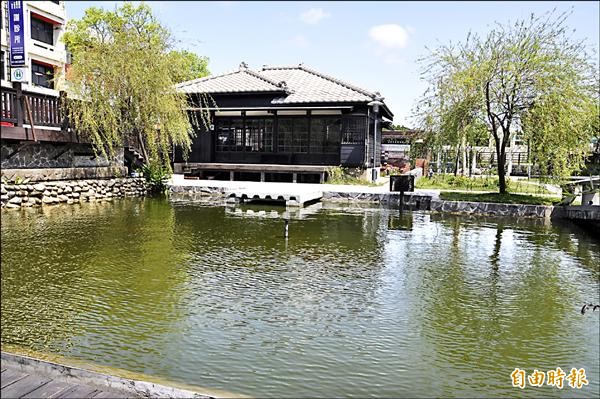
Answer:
x=361 y=302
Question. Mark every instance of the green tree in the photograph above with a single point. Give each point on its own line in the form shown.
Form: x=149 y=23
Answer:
x=123 y=82
x=528 y=77
x=187 y=66
x=400 y=128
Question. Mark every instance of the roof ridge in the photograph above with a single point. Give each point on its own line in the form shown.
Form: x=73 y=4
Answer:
x=277 y=85
x=303 y=67
x=266 y=79
x=204 y=79
x=267 y=67
x=340 y=82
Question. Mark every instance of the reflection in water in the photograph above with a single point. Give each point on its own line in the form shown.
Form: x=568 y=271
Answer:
x=357 y=302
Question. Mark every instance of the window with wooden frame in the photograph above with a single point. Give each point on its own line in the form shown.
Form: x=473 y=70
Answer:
x=325 y=135
x=259 y=135
x=42 y=31
x=42 y=75
x=292 y=135
x=229 y=134
x=354 y=130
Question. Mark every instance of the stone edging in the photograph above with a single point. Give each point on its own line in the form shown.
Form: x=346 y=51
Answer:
x=415 y=201
x=490 y=208
x=392 y=200
x=15 y=196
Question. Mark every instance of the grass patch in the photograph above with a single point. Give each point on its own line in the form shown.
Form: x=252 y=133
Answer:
x=350 y=176
x=451 y=182
x=509 y=198
x=355 y=182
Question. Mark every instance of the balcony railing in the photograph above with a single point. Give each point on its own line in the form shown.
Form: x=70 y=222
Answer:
x=45 y=110
x=9 y=110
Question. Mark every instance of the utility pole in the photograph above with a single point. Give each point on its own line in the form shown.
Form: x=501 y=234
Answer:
x=375 y=105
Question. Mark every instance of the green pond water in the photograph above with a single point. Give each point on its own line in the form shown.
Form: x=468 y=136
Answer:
x=357 y=302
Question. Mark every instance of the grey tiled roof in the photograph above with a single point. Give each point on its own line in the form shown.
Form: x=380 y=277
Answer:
x=308 y=86
x=240 y=81
x=297 y=84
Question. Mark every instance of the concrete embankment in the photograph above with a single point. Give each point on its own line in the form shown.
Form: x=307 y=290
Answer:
x=488 y=208
x=418 y=200
x=584 y=215
x=32 y=377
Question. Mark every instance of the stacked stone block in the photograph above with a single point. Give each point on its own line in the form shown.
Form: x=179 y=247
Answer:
x=16 y=196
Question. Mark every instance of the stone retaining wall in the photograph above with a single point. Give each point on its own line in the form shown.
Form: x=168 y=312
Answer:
x=410 y=201
x=14 y=155
x=488 y=208
x=582 y=212
x=15 y=196
x=50 y=174
x=209 y=191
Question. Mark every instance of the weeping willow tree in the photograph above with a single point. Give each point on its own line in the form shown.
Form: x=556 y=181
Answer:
x=530 y=77
x=122 y=79
x=450 y=119
x=564 y=120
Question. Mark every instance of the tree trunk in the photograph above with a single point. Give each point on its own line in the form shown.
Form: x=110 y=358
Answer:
x=457 y=161
x=142 y=146
x=464 y=156
x=501 y=154
x=473 y=163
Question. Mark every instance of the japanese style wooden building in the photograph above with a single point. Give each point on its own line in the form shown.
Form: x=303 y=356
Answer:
x=285 y=123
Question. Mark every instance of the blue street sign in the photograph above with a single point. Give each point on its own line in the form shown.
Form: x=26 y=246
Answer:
x=17 y=33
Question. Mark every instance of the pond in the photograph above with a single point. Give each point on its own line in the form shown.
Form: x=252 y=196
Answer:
x=356 y=302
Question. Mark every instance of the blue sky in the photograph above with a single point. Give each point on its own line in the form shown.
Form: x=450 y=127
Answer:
x=375 y=45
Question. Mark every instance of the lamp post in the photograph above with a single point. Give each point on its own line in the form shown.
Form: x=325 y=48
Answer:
x=375 y=105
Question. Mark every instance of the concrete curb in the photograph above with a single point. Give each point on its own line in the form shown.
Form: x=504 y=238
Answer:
x=495 y=209
x=418 y=200
x=102 y=381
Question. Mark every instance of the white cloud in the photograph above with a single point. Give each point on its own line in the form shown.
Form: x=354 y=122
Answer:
x=314 y=16
x=389 y=35
x=300 y=41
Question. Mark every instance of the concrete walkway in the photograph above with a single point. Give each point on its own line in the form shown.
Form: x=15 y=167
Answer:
x=283 y=187
x=305 y=188
x=16 y=384
x=27 y=377
x=287 y=188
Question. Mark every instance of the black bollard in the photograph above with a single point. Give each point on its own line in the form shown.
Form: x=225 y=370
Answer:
x=401 y=201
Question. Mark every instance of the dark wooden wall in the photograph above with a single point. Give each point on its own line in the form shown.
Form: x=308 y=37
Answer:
x=350 y=154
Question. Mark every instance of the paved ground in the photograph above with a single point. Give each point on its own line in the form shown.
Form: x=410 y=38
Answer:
x=17 y=384
x=292 y=188
x=306 y=187
x=29 y=377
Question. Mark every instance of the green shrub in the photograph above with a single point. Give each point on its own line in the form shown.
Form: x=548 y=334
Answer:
x=156 y=176
x=340 y=175
x=483 y=183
